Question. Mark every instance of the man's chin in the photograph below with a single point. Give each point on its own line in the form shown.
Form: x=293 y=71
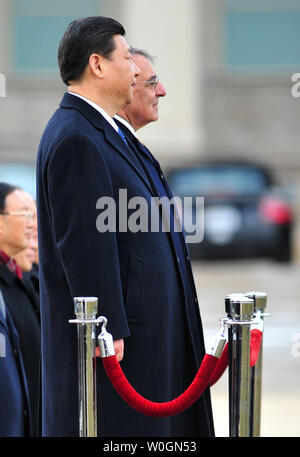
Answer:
x=129 y=97
x=155 y=117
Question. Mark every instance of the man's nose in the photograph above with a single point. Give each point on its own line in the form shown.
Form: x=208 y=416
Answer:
x=136 y=70
x=160 y=90
x=30 y=222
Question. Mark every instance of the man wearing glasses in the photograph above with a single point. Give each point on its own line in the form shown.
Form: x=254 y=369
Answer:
x=16 y=223
x=185 y=351
x=148 y=89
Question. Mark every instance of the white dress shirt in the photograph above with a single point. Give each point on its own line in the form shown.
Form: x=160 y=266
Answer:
x=126 y=123
x=99 y=109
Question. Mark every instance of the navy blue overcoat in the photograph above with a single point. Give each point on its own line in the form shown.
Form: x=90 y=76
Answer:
x=135 y=275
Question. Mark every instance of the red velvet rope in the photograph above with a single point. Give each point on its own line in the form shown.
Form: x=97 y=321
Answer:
x=256 y=337
x=255 y=343
x=210 y=371
x=149 y=408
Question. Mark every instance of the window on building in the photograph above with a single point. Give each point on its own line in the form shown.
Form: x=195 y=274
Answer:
x=38 y=25
x=262 y=34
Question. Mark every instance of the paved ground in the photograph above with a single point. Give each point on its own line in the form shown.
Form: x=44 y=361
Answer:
x=281 y=357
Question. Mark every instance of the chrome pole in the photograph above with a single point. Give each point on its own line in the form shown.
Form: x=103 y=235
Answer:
x=239 y=309
x=260 y=302
x=86 y=309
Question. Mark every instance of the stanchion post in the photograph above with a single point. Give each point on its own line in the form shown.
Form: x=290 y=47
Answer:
x=240 y=310
x=86 y=309
x=260 y=302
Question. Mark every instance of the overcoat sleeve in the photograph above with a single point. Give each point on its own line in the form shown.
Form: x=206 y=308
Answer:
x=77 y=176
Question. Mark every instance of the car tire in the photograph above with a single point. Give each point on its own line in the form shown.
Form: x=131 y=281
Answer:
x=283 y=252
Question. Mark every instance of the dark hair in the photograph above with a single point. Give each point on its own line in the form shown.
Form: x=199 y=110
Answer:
x=5 y=190
x=82 y=38
x=141 y=52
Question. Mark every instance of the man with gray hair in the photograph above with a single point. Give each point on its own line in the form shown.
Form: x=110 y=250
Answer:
x=183 y=349
x=148 y=89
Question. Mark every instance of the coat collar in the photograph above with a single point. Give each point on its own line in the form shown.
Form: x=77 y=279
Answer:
x=99 y=122
x=70 y=101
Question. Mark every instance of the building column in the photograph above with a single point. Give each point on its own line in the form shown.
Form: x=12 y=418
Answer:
x=176 y=44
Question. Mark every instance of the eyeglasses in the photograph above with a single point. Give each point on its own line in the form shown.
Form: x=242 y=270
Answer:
x=153 y=82
x=29 y=215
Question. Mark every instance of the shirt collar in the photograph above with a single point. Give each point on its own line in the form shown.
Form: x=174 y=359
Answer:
x=11 y=264
x=126 y=123
x=98 y=108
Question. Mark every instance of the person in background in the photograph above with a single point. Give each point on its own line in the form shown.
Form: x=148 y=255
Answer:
x=16 y=224
x=28 y=260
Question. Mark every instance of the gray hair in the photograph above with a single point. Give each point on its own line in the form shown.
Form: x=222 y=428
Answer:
x=141 y=52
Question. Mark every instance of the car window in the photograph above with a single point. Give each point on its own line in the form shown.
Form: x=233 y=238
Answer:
x=218 y=181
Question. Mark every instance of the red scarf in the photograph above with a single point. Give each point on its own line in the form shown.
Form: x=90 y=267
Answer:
x=11 y=264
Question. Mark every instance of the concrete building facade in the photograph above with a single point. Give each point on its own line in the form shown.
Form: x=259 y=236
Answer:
x=228 y=87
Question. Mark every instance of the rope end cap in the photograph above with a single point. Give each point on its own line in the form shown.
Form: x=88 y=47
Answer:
x=217 y=346
x=106 y=344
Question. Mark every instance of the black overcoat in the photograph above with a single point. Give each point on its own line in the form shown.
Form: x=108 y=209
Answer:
x=24 y=313
x=82 y=158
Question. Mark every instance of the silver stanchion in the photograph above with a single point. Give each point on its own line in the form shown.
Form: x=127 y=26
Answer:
x=240 y=310
x=260 y=302
x=86 y=309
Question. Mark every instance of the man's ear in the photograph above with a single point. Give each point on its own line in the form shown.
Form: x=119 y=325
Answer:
x=96 y=65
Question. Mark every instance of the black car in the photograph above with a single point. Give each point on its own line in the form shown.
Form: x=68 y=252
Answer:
x=245 y=214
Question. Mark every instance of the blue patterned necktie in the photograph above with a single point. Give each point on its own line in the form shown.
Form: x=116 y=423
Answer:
x=122 y=135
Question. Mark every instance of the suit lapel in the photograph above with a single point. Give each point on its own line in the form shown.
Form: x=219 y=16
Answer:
x=111 y=136
x=139 y=150
x=138 y=144
x=127 y=153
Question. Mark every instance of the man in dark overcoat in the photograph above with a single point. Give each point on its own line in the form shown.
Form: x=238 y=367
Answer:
x=85 y=163
x=22 y=319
